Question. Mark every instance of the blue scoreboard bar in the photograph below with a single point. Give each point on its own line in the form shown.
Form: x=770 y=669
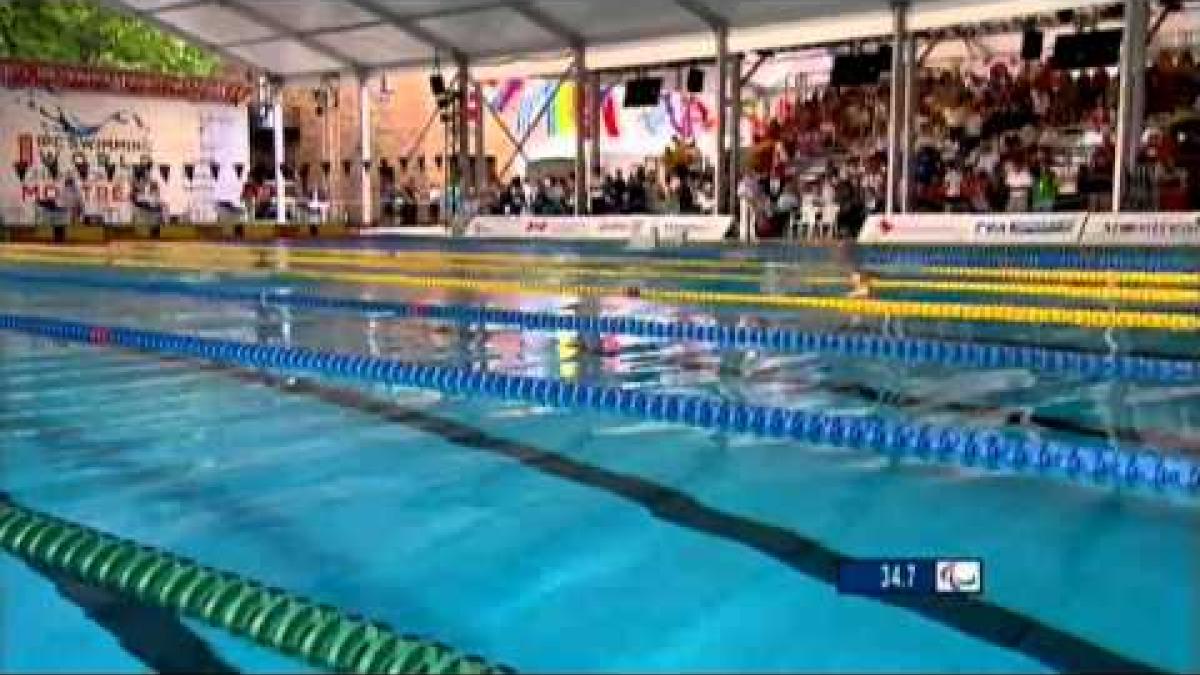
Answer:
x=911 y=576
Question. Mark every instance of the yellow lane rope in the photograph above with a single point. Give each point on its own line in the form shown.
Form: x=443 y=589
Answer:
x=272 y=257
x=283 y=259
x=643 y=264
x=1094 y=293
x=1091 y=318
x=1068 y=275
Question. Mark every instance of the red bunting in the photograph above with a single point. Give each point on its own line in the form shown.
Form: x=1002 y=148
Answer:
x=15 y=74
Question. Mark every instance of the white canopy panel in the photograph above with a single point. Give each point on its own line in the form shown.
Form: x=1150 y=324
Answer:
x=298 y=38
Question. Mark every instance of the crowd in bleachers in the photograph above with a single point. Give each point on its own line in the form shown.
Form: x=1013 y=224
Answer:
x=1016 y=138
x=684 y=186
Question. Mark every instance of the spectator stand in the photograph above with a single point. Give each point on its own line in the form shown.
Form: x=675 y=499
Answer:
x=905 y=169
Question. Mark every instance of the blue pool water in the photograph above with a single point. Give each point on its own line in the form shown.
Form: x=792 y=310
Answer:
x=616 y=544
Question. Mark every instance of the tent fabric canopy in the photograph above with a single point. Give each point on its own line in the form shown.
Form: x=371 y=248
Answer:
x=308 y=38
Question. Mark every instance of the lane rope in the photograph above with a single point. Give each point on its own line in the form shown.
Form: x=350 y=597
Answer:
x=319 y=634
x=1088 y=318
x=985 y=450
x=1125 y=274
x=1106 y=366
x=488 y=271
x=1109 y=277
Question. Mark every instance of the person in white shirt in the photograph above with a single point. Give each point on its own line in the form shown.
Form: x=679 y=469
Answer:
x=1020 y=182
x=954 y=179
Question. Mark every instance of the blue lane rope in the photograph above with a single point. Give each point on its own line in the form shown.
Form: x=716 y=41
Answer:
x=783 y=340
x=978 y=449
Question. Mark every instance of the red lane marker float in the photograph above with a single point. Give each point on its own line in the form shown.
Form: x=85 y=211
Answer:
x=420 y=309
x=99 y=335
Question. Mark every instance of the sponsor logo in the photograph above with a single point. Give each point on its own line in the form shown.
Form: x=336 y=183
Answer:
x=537 y=226
x=959 y=576
x=1153 y=228
x=1025 y=227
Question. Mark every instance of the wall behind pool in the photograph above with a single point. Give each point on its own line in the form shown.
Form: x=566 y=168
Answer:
x=85 y=130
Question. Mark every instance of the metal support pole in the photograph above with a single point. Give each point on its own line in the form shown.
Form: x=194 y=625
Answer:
x=735 y=135
x=462 y=140
x=581 y=177
x=419 y=142
x=900 y=28
x=364 y=134
x=720 y=178
x=596 y=129
x=909 y=122
x=1132 y=104
x=280 y=150
x=481 y=169
x=505 y=130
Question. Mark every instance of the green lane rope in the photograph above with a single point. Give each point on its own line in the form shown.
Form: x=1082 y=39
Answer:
x=318 y=634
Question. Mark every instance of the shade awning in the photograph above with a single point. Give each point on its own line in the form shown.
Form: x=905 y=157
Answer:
x=302 y=38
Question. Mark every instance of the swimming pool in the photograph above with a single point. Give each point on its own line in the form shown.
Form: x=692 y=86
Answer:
x=564 y=539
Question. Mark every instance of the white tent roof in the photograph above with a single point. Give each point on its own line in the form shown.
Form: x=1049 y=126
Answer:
x=302 y=38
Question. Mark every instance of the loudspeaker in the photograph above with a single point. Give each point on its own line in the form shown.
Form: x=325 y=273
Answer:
x=643 y=92
x=1032 y=45
x=695 y=81
x=437 y=85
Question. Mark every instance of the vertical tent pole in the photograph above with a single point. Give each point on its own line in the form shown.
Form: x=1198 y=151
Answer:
x=481 y=169
x=280 y=158
x=908 y=126
x=735 y=135
x=720 y=178
x=364 y=133
x=462 y=138
x=900 y=19
x=581 y=173
x=597 y=126
x=1132 y=102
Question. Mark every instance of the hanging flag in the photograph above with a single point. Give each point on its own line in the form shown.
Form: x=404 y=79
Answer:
x=506 y=93
x=609 y=110
x=215 y=169
x=564 y=109
x=164 y=170
x=22 y=169
x=525 y=113
x=473 y=108
x=189 y=172
x=239 y=169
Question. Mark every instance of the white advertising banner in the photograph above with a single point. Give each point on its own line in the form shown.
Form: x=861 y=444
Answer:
x=953 y=228
x=82 y=132
x=601 y=228
x=1143 y=229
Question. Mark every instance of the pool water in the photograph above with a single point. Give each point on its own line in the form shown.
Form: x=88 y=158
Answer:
x=553 y=540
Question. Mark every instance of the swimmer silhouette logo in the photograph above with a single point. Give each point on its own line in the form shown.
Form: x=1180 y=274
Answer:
x=959 y=577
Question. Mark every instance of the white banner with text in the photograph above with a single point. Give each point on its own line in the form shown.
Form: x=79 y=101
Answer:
x=96 y=140
x=1084 y=229
x=601 y=228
